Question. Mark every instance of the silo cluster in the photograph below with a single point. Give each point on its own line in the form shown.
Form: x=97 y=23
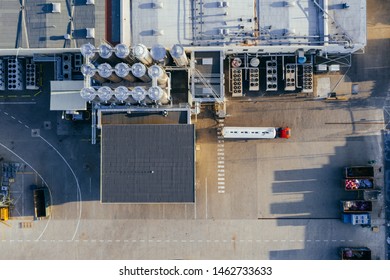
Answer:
x=129 y=75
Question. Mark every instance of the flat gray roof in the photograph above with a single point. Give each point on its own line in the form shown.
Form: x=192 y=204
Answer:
x=65 y=95
x=147 y=163
x=44 y=29
x=249 y=23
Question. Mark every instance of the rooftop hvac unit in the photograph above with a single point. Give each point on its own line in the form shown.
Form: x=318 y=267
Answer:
x=307 y=80
x=122 y=70
x=271 y=75
x=142 y=54
x=254 y=79
x=179 y=56
x=105 y=94
x=31 y=80
x=237 y=83
x=122 y=93
x=67 y=37
x=321 y=68
x=289 y=3
x=138 y=94
x=105 y=71
x=67 y=66
x=56 y=7
x=2 y=81
x=158 y=32
x=14 y=78
x=140 y=71
x=290 y=77
x=334 y=68
x=90 y=33
x=88 y=93
x=78 y=61
x=90 y=2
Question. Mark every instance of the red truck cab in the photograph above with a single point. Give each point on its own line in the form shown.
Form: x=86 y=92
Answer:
x=284 y=132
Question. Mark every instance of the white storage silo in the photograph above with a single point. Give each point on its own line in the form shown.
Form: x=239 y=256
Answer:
x=138 y=94
x=122 y=70
x=123 y=52
x=88 y=50
x=179 y=56
x=142 y=54
x=105 y=94
x=159 y=54
x=107 y=53
x=158 y=95
x=105 y=70
x=156 y=72
x=122 y=94
x=90 y=70
x=88 y=93
x=140 y=71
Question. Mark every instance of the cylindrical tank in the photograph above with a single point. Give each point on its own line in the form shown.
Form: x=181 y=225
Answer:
x=88 y=93
x=159 y=54
x=88 y=50
x=179 y=56
x=157 y=73
x=142 y=54
x=107 y=53
x=158 y=95
x=236 y=62
x=138 y=94
x=122 y=94
x=254 y=62
x=122 y=70
x=140 y=71
x=123 y=52
x=105 y=94
x=90 y=70
x=105 y=70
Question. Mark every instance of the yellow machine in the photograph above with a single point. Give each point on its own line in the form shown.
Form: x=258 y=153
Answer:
x=4 y=213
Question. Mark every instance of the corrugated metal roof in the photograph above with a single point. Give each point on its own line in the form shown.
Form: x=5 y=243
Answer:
x=147 y=163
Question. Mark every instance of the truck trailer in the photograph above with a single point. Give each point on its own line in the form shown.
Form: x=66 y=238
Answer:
x=256 y=132
x=359 y=172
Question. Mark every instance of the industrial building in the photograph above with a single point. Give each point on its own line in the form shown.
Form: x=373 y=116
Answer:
x=169 y=59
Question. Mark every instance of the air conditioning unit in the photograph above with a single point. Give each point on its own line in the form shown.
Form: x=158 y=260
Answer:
x=290 y=77
x=31 y=77
x=308 y=78
x=271 y=68
x=2 y=81
x=67 y=66
x=90 y=2
x=237 y=83
x=254 y=79
x=14 y=74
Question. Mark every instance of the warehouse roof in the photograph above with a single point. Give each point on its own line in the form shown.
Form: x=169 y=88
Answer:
x=147 y=163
